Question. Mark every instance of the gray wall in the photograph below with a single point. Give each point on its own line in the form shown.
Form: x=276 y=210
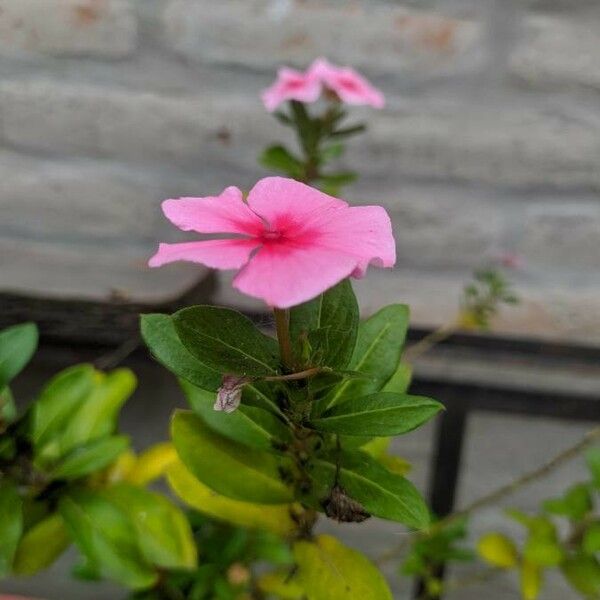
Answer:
x=490 y=141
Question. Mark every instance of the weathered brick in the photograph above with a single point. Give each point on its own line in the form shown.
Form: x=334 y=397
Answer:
x=99 y=28
x=559 y=51
x=373 y=36
x=562 y=237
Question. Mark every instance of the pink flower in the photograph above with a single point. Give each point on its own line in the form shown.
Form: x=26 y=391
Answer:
x=292 y=241
x=347 y=84
x=291 y=85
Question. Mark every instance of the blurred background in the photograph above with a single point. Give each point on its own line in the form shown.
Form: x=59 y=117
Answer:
x=489 y=146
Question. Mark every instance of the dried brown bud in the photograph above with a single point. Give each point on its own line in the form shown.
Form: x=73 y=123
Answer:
x=229 y=395
x=342 y=508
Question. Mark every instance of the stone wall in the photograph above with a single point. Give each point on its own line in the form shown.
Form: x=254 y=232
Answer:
x=490 y=142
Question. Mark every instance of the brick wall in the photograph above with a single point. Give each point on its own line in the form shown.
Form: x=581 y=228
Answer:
x=490 y=141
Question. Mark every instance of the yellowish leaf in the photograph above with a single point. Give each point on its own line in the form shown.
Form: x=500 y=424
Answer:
x=531 y=580
x=281 y=585
x=152 y=464
x=498 y=550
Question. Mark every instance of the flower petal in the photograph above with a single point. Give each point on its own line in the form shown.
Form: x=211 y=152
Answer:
x=291 y=85
x=290 y=206
x=226 y=213
x=285 y=275
x=217 y=254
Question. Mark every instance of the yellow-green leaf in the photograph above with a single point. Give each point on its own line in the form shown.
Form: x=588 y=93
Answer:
x=531 y=580
x=498 y=550
x=41 y=545
x=327 y=569
x=152 y=464
x=280 y=585
x=246 y=514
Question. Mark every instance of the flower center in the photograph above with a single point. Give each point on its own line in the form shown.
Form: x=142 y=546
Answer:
x=271 y=235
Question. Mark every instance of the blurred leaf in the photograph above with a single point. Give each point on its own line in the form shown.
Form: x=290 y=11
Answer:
x=332 y=152
x=227 y=341
x=161 y=338
x=236 y=471
x=543 y=552
x=41 y=545
x=400 y=381
x=583 y=573
x=395 y=464
x=498 y=550
x=245 y=514
x=90 y=457
x=279 y=158
x=163 y=532
x=591 y=539
x=592 y=458
x=349 y=131
x=531 y=580
x=330 y=325
x=17 y=345
x=327 y=569
x=152 y=464
x=107 y=538
x=248 y=425
x=8 y=409
x=280 y=585
x=380 y=414
x=11 y=524
x=382 y=493
x=376 y=355
x=575 y=504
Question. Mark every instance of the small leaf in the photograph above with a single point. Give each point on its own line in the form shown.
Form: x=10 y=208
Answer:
x=245 y=514
x=8 y=408
x=575 y=504
x=381 y=492
x=11 y=524
x=107 y=538
x=592 y=458
x=163 y=532
x=17 y=345
x=531 y=580
x=41 y=545
x=226 y=341
x=152 y=464
x=376 y=355
x=330 y=324
x=400 y=381
x=591 y=539
x=327 y=569
x=161 y=338
x=583 y=573
x=332 y=152
x=498 y=550
x=543 y=552
x=90 y=457
x=248 y=425
x=381 y=414
x=279 y=158
x=349 y=131
x=227 y=467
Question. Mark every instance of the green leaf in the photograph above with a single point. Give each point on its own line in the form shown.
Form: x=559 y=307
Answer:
x=327 y=569
x=11 y=524
x=381 y=492
x=275 y=518
x=332 y=152
x=41 y=545
x=248 y=425
x=163 y=531
x=161 y=338
x=107 y=538
x=17 y=345
x=59 y=400
x=575 y=504
x=380 y=414
x=591 y=539
x=90 y=457
x=376 y=355
x=279 y=158
x=349 y=131
x=592 y=458
x=330 y=324
x=543 y=552
x=226 y=341
x=531 y=580
x=8 y=408
x=227 y=467
x=498 y=550
x=583 y=573
x=400 y=381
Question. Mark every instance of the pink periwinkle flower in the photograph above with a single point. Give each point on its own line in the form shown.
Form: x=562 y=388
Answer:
x=292 y=242
x=348 y=85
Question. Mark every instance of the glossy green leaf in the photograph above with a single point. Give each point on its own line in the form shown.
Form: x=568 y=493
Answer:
x=247 y=425
x=163 y=531
x=229 y=468
x=90 y=457
x=380 y=414
x=330 y=324
x=163 y=342
x=382 y=493
x=226 y=341
x=107 y=538
x=583 y=573
x=376 y=355
x=400 y=381
x=17 y=345
x=41 y=545
x=274 y=518
x=11 y=524
x=327 y=569
x=279 y=158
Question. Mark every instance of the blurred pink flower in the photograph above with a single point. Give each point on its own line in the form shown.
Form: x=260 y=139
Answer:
x=511 y=260
x=293 y=242
x=347 y=84
x=291 y=85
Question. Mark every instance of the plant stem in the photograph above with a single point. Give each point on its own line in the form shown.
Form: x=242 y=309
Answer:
x=429 y=341
x=502 y=492
x=299 y=375
x=282 y=324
